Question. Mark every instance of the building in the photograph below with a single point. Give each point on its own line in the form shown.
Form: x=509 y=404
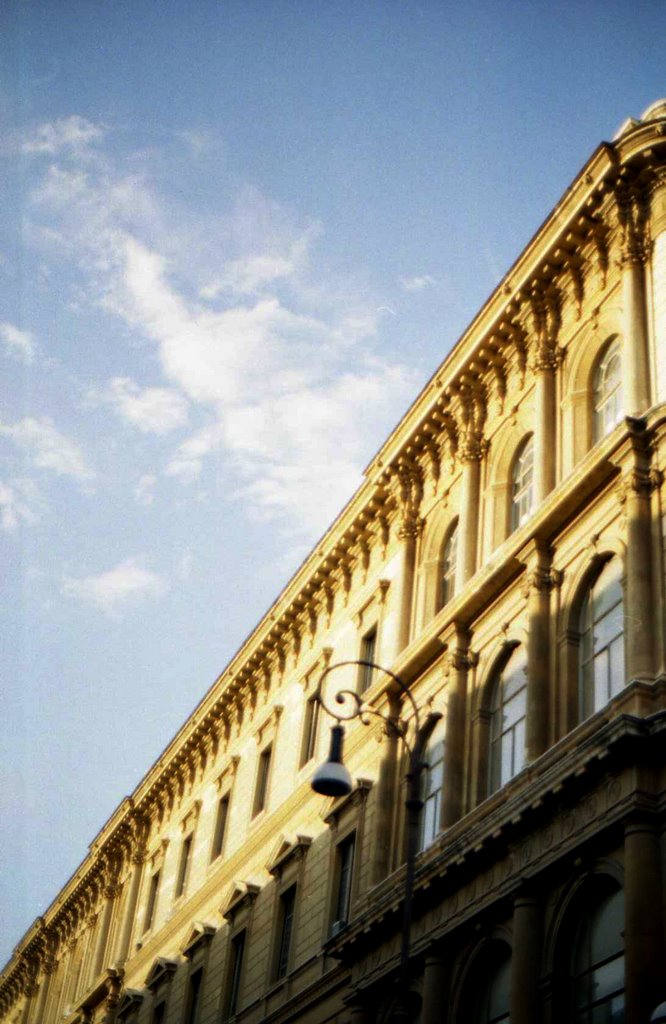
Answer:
x=506 y=556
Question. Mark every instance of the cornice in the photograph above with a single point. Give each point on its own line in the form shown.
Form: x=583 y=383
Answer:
x=572 y=765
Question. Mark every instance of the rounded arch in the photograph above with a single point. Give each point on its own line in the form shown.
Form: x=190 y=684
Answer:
x=569 y=899
x=475 y=966
x=495 y=662
x=575 y=590
x=507 y=447
x=592 y=907
x=579 y=367
x=578 y=386
x=432 y=565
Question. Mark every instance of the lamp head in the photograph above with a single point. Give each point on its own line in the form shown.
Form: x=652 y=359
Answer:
x=332 y=778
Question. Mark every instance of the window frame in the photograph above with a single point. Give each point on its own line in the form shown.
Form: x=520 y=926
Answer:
x=602 y=424
x=310 y=733
x=262 y=781
x=285 y=931
x=497 y=701
x=522 y=482
x=448 y=572
x=588 y=655
x=193 y=1002
x=152 y=900
x=345 y=864
x=184 y=864
x=367 y=653
x=221 y=826
x=237 y=947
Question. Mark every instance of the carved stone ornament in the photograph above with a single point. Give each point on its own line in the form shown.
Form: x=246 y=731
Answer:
x=161 y=971
x=201 y=934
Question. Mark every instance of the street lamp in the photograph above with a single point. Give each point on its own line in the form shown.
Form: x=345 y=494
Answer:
x=333 y=779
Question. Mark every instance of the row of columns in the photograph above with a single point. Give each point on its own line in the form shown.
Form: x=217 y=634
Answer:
x=42 y=1000
x=645 y=981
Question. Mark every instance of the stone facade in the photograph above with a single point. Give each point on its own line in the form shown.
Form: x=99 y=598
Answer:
x=506 y=556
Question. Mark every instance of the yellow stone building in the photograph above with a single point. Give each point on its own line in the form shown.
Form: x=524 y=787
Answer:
x=506 y=556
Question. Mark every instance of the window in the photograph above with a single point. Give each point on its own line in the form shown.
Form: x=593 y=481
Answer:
x=345 y=867
x=492 y=985
x=433 y=778
x=287 y=907
x=607 y=394
x=235 y=973
x=508 y=708
x=184 y=867
x=522 y=484
x=310 y=729
x=194 y=997
x=449 y=564
x=152 y=901
x=263 y=773
x=602 y=673
x=220 y=827
x=597 y=961
x=159 y=1013
x=368 y=652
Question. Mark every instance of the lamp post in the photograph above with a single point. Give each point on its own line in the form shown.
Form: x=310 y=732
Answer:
x=333 y=779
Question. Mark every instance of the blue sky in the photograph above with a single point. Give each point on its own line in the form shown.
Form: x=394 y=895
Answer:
x=235 y=241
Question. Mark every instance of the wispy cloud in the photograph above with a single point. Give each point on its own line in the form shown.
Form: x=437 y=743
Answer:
x=73 y=133
x=17 y=343
x=17 y=498
x=151 y=410
x=47 y=447
x=143 y=492
x=111 y=591
x=417 y=283
x=283 y=374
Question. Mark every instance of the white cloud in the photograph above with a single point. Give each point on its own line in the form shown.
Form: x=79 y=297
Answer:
x=16 y=497
x=418 y=283
x=269 y=367
x=48 y=448
x=151 y=410
x=110 y=591
x=17 y=342
x=246 y=276
x=184 y=565
x=73 y=133
x=143 y=492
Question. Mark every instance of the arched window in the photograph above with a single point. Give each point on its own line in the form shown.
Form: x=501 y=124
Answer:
x=508 y=709
x=449 y=564
x=597 y=960
x=489 y=987
x=432 y=782
x=522 y=484
x=602 y=673
x=607 y=393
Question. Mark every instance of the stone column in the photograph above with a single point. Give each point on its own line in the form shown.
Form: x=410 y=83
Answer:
x=30 y=991
x=110 y=894
x=434 y=1009
x=545 y=423
x=468 y=522
x=454 y=776
x=645 y=984
x=385 y=800
x=526 y=959
x=632 y=214
x=538 y=585
x=408 y=533
x=635 y=491
x=130 y=910
x=48 y=967
x=359 y=1012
